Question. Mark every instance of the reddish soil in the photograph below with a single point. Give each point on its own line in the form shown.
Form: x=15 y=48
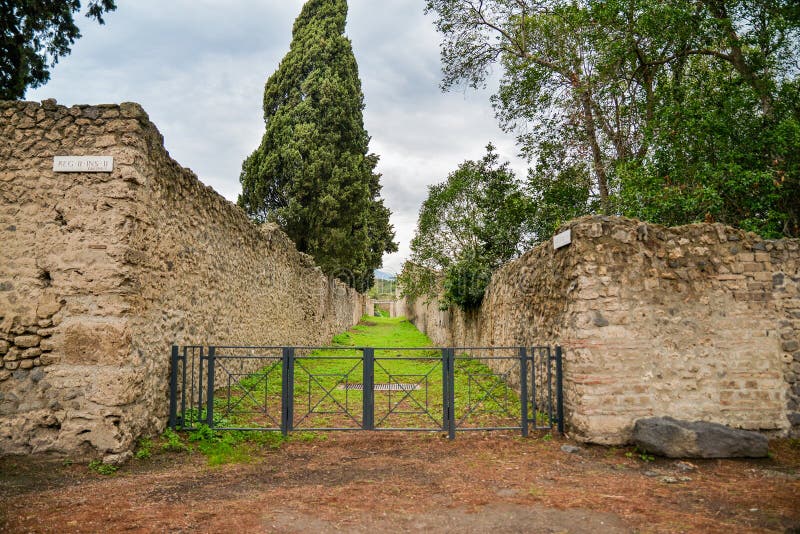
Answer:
x=409 y=482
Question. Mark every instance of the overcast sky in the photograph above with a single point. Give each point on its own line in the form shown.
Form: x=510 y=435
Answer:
x=198 y=68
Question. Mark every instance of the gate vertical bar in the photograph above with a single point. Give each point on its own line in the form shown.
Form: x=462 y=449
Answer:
x=212 y=354
x=183 y=381
x=451 y=394
x=173 y=388
x=189 y=354
x=287 y=389
x=550 y=411
x=559 y=390
x=536 y=356
x=368 y=391
x=199 y=381
x=445 y=394
x=290 y=397
x=523 y=389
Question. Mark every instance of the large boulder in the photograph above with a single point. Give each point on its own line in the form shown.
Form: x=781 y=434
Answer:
x=670 y=437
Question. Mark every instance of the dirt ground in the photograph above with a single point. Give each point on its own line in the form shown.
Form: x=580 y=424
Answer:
x=372 y=482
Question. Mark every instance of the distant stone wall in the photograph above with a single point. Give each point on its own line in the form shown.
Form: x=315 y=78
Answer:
x=695 y=322
x=395 y=308
x=100 y=273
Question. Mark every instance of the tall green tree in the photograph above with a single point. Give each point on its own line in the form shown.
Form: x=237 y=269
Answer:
x=468 y=226
x=313 y=174
x=34 y=34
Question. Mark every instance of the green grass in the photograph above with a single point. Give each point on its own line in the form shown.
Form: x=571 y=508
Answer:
x=144 y=449
x=102 y=469
x=383 y=332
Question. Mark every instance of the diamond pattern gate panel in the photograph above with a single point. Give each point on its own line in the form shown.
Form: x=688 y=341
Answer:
x=323 y=398
x=408 y=386
x=489 y=383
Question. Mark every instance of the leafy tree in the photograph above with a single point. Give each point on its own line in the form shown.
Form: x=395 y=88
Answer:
x=468 y=226
x=34 y=34
x=656 y=103
x=313 y=174
x=724 y=124
x=558 y=192
x=718 y=157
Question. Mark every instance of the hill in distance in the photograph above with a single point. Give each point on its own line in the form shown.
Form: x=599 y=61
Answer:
x=384 y=275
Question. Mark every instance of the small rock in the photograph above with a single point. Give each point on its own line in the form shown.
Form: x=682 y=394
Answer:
x=48 y=306
x=26 y=342
x=651 y=473
x=33 y=352
x=599 y=320
x=790 y=346
x=571 y=449
x=49 y=359
x=685 y=479
x=685 y=466
x=117 y=459
x=669 y=480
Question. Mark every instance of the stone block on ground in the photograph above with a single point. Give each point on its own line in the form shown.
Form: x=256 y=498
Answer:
x=673 y=438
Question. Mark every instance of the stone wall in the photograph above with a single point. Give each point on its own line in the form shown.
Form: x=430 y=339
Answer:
x=100 y=273
x=395 y=308
x=695 y=322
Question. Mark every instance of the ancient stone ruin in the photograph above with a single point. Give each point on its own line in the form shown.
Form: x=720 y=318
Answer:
x=699 y=322
x=101 y=272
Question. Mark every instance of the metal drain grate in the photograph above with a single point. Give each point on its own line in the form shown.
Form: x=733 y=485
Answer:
x=382 y=387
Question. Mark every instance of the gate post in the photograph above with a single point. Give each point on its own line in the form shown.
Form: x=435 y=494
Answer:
x=287 y=391
x=173 y=388
x=559 y=390
x=445 y=394
x=449 y=392
x=212 y=353
x=523 y=389
x=368 y=390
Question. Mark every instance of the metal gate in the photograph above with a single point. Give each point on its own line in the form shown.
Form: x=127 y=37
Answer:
x=285 y=389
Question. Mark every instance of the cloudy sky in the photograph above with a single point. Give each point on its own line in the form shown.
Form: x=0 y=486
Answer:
x=198 y=68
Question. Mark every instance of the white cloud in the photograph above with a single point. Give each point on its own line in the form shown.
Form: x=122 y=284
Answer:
x=199 y=69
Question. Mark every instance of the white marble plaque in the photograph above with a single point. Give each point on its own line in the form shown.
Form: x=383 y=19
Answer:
x=562 y=240
x=83 y=163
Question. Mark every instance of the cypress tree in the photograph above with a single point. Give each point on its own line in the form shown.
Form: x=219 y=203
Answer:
x=312 y=173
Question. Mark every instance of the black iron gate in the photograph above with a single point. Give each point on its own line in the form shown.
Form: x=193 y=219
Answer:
x=344 y=388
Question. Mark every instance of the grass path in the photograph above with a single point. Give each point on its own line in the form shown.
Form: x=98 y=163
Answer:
x=408 y=374
x=383 y=332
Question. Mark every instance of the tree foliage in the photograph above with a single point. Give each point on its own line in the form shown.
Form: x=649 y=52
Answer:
x=468 y=226
x=673 y=111
x=34 y=34
x=313 y=174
